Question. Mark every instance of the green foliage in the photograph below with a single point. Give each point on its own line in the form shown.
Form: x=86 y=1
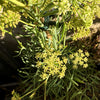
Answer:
x=60 y=71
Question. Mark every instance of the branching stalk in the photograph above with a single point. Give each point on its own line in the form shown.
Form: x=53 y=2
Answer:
x=45 y=84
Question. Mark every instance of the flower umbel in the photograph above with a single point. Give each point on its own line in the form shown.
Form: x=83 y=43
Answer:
x=50 y=64
x=79 y=59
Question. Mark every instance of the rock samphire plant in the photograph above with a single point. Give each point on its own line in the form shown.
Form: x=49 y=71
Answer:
x=55 y=69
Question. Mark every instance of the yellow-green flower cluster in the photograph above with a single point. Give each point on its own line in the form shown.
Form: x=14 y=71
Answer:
x=81 y=32
x=9 y=19
x=2 y=28
x=97 y=11
x=79 y=59
x=51 y=64
x=63 y=6
x=87 y=15
x=82 y=19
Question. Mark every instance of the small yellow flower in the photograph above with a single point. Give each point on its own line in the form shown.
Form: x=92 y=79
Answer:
x=38 y=55
x=77 y=59
x=82 y=55
x=75 y=62
x=85 y=59
x=87 y=54
x=64 y=68
x=80 y=51
x=39 y=64
x=61 y=75
x=75 y=67
x=45 y=69
x=52 y=72
x=58 y=59
x=65 y=60
x=81 y=63
x=76 y=54
x=71 y=56
x=44 y=55
x=56 y=70
x=46 y=61
x=85 y=65
x=60 y=62
x=44 y=76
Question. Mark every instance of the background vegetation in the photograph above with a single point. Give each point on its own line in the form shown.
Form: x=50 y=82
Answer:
x=55 y=66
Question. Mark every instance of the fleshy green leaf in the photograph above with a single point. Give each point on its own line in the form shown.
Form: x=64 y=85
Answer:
x=17 y=3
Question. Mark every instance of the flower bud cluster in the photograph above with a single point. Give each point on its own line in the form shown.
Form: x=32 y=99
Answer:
x=10 y=18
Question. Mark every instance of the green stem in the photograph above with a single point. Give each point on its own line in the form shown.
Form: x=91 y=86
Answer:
x=64 y=40
x=27 y=94
x=62 y=33
x=45 y=84
x=34 y=90
x=27 y=23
